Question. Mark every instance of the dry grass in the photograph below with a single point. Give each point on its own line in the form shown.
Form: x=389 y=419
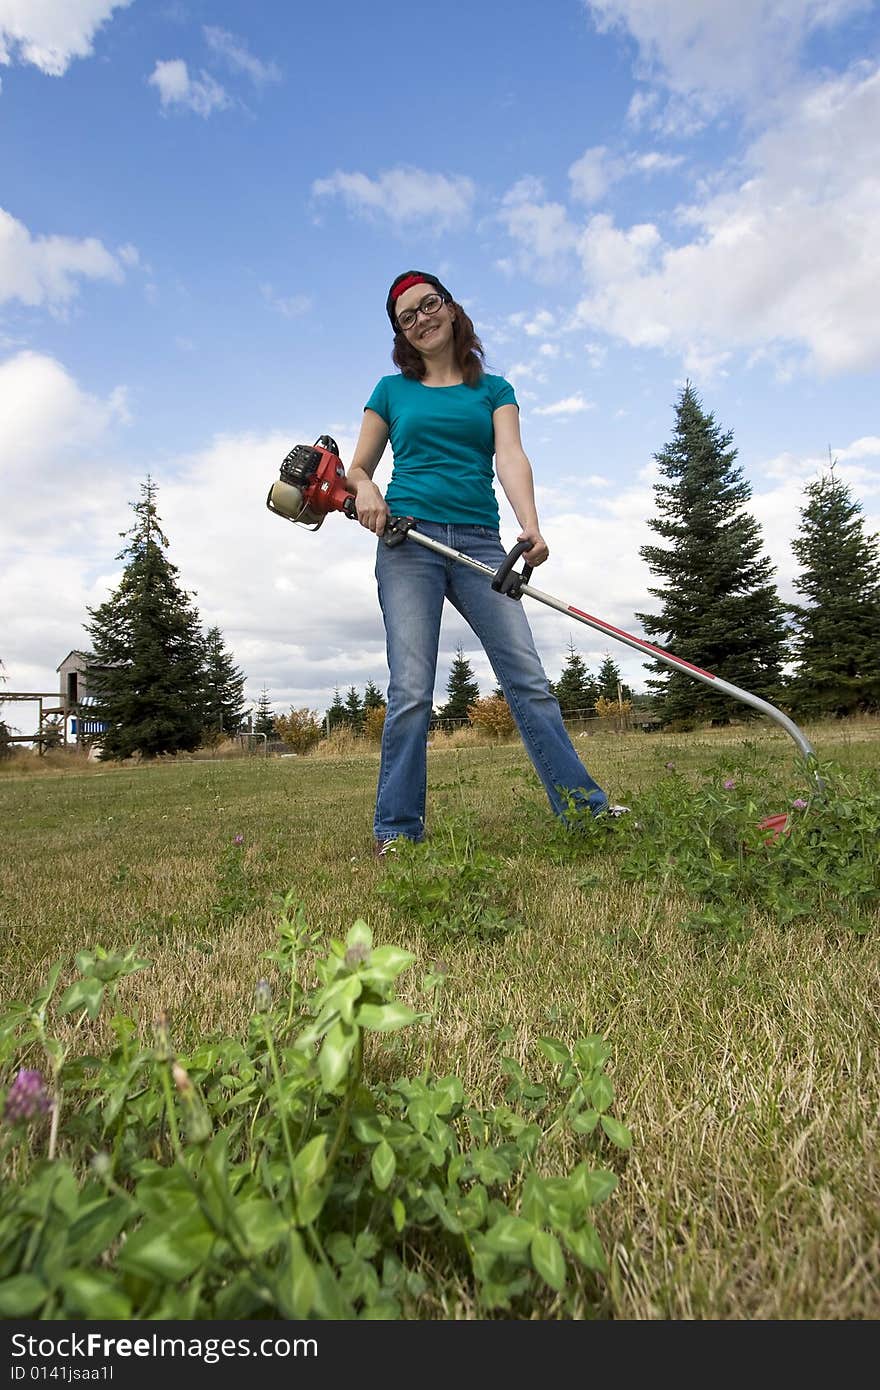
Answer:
x=750 y=1074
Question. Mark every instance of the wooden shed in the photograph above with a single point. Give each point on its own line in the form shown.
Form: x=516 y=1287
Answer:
x=74 y=681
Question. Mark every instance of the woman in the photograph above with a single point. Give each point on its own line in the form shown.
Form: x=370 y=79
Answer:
x=446 y=419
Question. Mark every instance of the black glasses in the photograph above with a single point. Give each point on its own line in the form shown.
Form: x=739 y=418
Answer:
x=429 y=305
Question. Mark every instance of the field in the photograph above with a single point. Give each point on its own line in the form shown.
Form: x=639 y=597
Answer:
x=743 y=1030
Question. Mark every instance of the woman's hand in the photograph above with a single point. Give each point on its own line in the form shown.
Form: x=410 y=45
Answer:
x=540 y=549
x=372 y=511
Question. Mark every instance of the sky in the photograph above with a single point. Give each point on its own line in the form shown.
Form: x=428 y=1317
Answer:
x=203 y=203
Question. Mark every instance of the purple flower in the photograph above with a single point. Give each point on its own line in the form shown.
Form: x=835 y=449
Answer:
x=238 y=839
x=26 y=1098
x=670 y=767
x=799 y=804
x=729 y=784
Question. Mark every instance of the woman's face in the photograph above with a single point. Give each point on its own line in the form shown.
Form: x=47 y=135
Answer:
x=431 y=332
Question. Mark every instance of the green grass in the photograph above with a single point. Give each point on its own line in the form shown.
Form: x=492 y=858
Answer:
x=748 y=1071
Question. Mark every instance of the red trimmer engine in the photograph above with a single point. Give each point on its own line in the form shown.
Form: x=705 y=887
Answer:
x=312 y=484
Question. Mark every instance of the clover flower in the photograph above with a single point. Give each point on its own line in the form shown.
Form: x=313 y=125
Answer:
x=729 y=784
x=26 y=1098
x=670 y=767
x=799 y=804
x=238 y=839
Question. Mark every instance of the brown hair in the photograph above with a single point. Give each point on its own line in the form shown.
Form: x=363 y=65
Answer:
x=468 y=350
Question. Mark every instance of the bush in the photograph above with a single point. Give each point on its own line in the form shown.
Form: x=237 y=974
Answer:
x=492 y=716
x=374 y=723
x=300 y=730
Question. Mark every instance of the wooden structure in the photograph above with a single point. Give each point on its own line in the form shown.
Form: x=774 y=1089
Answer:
x=40 y=738
x=69 y=704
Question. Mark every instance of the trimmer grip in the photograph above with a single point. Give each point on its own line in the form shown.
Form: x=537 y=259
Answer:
x=504 y=580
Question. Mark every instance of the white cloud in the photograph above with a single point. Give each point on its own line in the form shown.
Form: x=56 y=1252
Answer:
x=867 y=447
x=593 y=174
x=49 y=34
x=45 y=269
x=711 y=55
x=788 y=256
x=539 y=324
x=545 y=237
x=60 y=449
x=235 y=53
x=403 y=195
x=570 y=405
x=45 y=415
x=202 y=94
x=291 y=306
x=598 y=169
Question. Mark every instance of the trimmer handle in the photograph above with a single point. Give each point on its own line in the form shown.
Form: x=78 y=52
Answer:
x=506 y=580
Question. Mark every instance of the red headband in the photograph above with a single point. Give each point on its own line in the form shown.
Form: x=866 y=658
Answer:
x=406 y=284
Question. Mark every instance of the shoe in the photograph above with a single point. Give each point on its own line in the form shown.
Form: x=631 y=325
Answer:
x=383 y=847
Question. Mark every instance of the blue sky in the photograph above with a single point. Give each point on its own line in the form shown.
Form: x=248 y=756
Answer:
x=202 y=204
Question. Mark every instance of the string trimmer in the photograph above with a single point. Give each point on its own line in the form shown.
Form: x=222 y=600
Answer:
x=312 y=484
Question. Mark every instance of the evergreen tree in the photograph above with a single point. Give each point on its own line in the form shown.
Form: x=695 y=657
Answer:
x=148 y=677
x=576 y=690
x=354 y=710
x=373 y=697
x=264 y=717
x=462 y=688
x=609 y=678
x=337 y=713
x=837 y=641
x=720 y=608
x=224 y=687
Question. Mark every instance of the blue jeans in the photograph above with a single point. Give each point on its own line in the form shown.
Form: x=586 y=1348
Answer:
x=413 y=583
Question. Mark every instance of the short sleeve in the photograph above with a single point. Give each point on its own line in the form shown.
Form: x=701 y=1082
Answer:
x=503 y=393
x=379 y=401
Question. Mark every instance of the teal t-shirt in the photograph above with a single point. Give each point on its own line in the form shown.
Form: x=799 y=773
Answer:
x=443 y=442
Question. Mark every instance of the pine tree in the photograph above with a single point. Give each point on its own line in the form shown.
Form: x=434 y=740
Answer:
x=354 y=710
x=462 y=688
x=609 y=678
x=720 y=608
x=264 y=718
x=148 y=676
x=224 y=687
x=576 y=690
x=837 y=641
x=373 y=697
x=337 y=713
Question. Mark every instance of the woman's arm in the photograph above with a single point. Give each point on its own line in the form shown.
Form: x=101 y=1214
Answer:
x=369 y=502
x=515 y=476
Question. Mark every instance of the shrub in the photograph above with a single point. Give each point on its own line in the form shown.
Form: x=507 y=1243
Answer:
x=374 y=723
x=492 y=716
x=300 y=729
